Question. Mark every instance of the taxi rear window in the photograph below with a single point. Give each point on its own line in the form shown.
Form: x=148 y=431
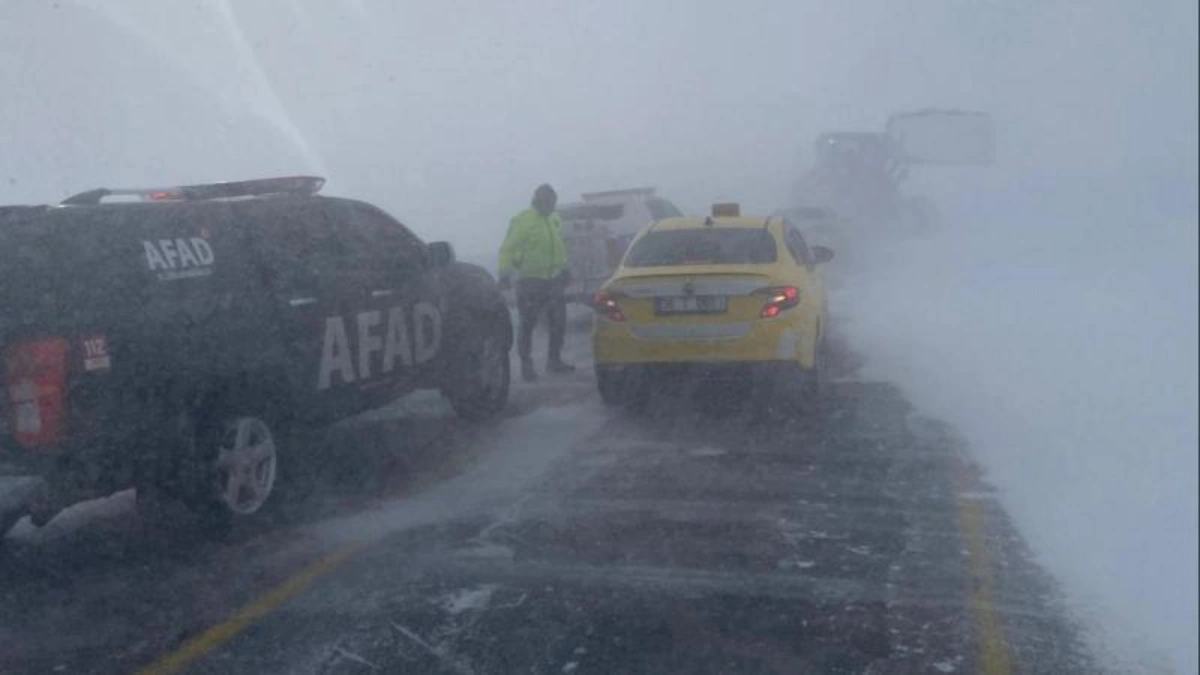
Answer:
x=708 y=246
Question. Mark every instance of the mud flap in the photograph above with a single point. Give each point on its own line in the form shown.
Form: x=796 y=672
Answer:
x=16 y=494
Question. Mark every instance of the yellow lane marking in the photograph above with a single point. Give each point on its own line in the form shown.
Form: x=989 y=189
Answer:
x=994 y=657
x=214 y=637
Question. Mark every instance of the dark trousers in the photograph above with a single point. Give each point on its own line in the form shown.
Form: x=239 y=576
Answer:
x=535 y=296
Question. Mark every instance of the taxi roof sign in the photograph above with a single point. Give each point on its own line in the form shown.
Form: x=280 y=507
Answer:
x=726 y=210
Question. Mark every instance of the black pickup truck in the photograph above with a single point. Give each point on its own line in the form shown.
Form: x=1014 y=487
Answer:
x=166 y=339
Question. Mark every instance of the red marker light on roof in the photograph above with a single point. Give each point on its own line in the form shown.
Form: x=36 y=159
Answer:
x=164 y=196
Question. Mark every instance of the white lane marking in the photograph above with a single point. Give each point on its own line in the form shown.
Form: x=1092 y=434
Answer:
x=465 y=599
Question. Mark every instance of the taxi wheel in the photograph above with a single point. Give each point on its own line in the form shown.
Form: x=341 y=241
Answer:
x=609 y=385
x=622 y=388
x=814 y=384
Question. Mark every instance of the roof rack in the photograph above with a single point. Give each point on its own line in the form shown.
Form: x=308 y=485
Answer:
x=631 y=192
x=303 y=186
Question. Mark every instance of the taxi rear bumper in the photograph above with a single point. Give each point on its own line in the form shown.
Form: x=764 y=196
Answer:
x=759 y=341
x=722 y=371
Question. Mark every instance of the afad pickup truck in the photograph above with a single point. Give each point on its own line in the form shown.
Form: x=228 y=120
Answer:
x=170 y=339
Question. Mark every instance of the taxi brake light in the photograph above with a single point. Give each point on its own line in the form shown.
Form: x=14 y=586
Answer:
x=605 y=304
x=779 y=298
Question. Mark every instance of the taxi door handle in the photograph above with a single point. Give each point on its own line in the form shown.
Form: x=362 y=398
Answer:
x=300 y=302
x=382 y=293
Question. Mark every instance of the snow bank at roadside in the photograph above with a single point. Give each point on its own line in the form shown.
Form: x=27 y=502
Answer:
x=1068 y=356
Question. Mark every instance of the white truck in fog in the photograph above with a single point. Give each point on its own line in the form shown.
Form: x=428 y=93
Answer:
x=598 y=229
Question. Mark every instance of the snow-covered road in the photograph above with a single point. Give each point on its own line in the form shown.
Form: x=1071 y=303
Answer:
x=566 y=537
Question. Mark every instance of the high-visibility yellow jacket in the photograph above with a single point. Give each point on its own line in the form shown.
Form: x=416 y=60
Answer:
x=534 y=247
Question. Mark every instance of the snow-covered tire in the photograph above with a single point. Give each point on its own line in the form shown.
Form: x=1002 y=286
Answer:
x=187 y=468
x=236 y=469
x=228 y=468
x=482 y=375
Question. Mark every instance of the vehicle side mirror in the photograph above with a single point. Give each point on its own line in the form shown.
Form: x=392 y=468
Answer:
x=441 y=254
x=822 y=254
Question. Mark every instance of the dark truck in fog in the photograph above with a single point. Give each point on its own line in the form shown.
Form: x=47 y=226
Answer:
x=170 y=339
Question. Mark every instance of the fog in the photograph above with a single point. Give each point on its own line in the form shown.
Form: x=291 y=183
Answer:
x=1053 y=320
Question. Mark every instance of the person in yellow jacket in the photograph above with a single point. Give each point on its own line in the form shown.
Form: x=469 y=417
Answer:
x=534 y=253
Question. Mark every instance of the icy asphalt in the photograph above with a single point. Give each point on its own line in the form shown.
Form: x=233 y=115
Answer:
x=568 y=538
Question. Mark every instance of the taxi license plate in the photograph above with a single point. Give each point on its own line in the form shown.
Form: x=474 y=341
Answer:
x=699 y=304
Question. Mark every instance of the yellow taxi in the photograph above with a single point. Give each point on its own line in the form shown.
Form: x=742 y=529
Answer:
x=721 y=296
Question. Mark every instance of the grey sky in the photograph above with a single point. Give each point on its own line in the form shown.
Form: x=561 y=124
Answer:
x=448 y=113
